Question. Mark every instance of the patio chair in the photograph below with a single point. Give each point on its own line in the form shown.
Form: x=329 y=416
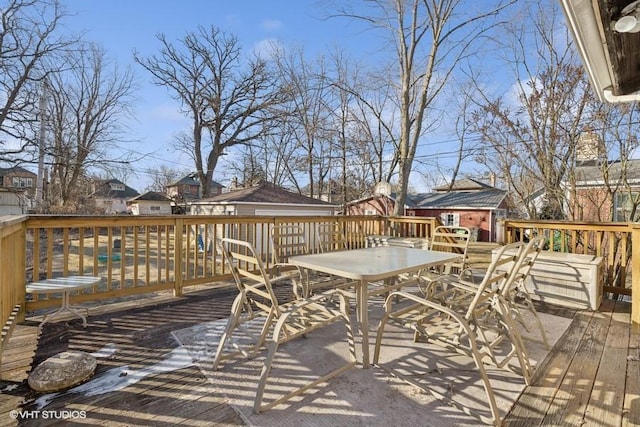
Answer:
x=329 y=237
x=516 y=293
x=279 y=322
x=505 y=308
x=455 y=318
x=289 y=240
x=450 y=239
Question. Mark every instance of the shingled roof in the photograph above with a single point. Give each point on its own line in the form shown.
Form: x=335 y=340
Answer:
x=466 y=184
x=488 y=199
x=265 y=192
x=151 y=196
x=104 y=190
x=591 y=172
x=190 y=180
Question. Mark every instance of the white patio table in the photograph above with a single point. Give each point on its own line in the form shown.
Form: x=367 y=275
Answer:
x=64 y=285
x=371 y=265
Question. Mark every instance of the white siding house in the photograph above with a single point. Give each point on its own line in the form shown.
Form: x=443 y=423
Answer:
x=150 y=203
x=111 y=195
x=12 y=202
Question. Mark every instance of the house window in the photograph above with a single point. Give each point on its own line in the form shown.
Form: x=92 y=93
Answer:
x=450 y=219
x=370 y=212
x=624 y=204
x=154 y=208
x=117 y=187
x=22 y=182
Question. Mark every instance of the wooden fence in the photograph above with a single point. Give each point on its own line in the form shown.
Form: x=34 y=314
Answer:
x=143 y=255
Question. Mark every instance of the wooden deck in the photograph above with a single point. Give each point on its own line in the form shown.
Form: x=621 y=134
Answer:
x=591 y=377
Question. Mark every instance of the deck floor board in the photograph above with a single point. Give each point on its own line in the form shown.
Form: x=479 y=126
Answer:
x=536 y=399
x=571 y=399
x=590 y=377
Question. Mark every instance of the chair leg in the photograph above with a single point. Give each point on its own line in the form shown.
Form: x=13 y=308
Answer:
x=378 y=344
x=472 y=351
x=477 y=358
x=528 y=304
x=519 y=349
x=232 y=324
x=278 y=338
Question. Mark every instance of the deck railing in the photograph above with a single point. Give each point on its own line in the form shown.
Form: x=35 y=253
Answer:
x=143 y=255
x=617 y=243
x=12 y=265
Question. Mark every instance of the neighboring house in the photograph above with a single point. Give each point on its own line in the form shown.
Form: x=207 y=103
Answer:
x=470 y=203
x=262 y=199
x=112 y=195
x=330 y=191
x=19 y=188
x=601 y=190
x=188 y=188
x=13 y=202
x=18 y=178
x=150 y=203
x=592 y=200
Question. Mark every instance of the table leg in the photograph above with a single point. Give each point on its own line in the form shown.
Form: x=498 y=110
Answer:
x=66 y=306
x=363 y=318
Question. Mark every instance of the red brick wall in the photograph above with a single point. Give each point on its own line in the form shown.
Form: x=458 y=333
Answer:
x=592 y=204
x=480 y=219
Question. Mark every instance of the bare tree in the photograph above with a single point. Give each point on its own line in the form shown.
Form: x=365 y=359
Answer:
x=89 y=105
x=29 y=38
x=163 y=176
x=309 y=115
x=229 y=99
x=430 y=38
x=376 y=136
x=454 y=158
x=530 y=136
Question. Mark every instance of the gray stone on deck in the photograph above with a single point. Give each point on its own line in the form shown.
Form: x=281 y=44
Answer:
x=62 y=371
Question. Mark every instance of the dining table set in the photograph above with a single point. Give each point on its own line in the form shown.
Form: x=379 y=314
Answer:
x=429 y=290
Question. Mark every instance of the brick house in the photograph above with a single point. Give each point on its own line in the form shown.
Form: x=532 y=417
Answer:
x=469 y=203
x=189 y=188
x=591 y=201
x=18 y=178
x=18 y=190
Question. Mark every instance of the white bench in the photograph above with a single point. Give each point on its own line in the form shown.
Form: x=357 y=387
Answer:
x=573 y=280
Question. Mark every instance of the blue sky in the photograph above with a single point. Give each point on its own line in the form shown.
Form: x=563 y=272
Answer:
x=122 y=26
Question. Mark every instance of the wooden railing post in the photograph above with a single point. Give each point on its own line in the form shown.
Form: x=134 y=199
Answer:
x=501 y=231
x=179 y=254
x=635 y=275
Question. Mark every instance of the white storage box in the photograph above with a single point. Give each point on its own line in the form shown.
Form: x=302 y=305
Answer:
x=573 y=280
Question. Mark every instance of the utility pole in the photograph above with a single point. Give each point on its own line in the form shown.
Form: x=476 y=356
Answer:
x=41 y=139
